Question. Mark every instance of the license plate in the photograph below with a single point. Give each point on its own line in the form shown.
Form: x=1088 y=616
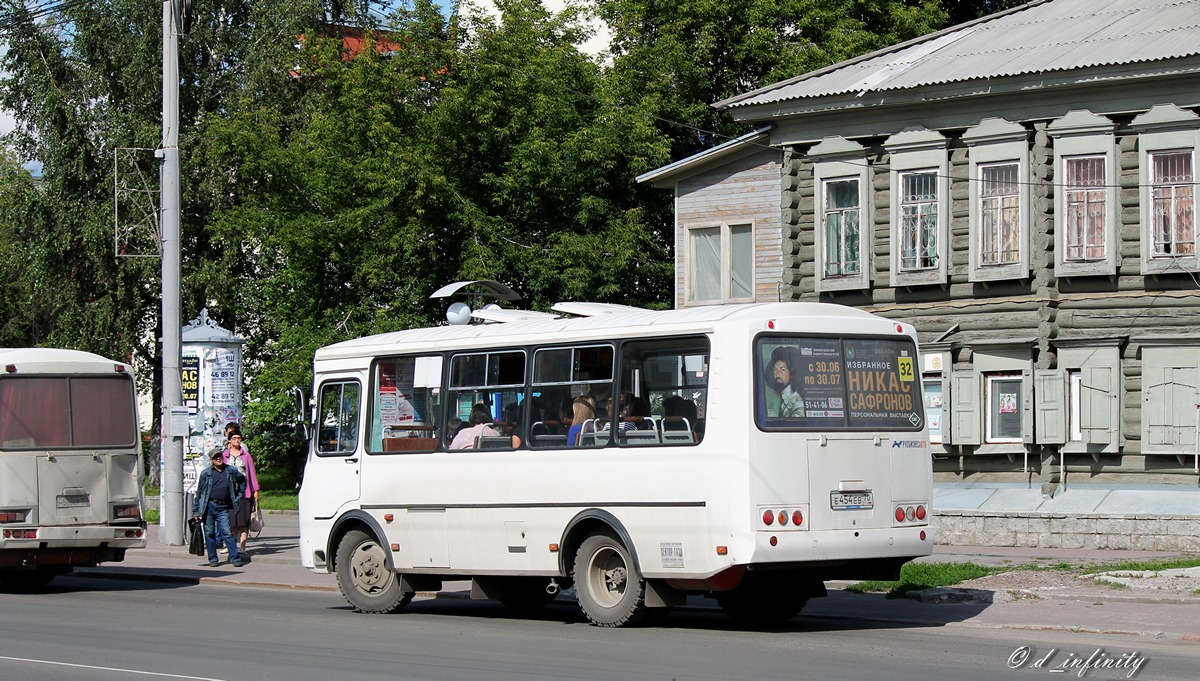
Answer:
x=73 y=500
x=851 y=501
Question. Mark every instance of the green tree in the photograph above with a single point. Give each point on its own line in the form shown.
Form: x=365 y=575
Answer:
x=673 y=60
x=542 y=157
x=83 y=79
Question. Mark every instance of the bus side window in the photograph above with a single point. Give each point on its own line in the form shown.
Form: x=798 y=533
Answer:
x=671 y=377
x=337 y=426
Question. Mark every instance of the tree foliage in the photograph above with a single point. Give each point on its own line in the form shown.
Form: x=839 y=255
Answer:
x=330 y=186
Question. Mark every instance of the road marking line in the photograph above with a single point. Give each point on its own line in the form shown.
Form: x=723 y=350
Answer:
x=108 y=669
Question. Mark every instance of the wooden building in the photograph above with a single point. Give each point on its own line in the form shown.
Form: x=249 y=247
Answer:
x=1022 y=189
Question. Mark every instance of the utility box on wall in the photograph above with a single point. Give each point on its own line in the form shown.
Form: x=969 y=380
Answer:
x=212 y=390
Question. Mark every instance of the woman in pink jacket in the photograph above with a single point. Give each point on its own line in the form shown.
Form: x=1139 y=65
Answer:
x=238 y=456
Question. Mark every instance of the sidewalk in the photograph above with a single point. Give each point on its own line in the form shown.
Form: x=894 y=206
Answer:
x=1094 y=608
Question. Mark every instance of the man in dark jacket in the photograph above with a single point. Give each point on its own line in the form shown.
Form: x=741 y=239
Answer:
x=219 y=492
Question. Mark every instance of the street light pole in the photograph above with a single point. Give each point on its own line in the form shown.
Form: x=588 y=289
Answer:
x=172 y=395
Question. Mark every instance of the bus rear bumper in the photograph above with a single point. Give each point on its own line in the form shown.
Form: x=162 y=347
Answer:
x=23 y=547
x=861 y=554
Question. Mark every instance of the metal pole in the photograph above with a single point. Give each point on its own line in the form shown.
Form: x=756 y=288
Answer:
x=172 y=483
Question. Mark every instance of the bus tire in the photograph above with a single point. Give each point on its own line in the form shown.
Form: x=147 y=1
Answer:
x=762 y=601
x=363 y=576
x=607 y=584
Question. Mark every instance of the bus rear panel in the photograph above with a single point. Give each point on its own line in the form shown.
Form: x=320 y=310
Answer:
x=70 y=464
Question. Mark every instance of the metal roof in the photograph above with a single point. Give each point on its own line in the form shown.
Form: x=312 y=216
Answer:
x=708 y=155
x=1038 y=37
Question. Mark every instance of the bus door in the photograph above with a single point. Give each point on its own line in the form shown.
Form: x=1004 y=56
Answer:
x=335 y=459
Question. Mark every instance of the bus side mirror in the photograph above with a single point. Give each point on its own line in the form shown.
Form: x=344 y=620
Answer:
x=301 y=405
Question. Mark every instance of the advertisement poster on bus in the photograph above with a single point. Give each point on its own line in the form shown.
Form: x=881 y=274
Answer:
x=838 y=383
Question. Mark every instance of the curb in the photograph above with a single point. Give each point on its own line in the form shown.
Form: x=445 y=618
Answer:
x=98 y=573
x=95 y=573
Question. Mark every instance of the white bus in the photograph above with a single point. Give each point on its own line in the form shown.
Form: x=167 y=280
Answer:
x=70 y=464
x=759 y=450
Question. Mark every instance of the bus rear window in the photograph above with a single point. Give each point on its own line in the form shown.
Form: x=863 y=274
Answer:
x=823 y=383
x=62 y=412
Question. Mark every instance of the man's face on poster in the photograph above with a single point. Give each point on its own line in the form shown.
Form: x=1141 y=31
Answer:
x=781 y=376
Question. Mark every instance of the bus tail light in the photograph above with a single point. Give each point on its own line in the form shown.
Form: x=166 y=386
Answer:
x=11 y=517
x=133 y=534
x=127 y=511
x=20 y=534
x=787 y=518
x=908 y=512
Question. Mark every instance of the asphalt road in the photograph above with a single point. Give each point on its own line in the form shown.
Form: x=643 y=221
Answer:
x=101 y=630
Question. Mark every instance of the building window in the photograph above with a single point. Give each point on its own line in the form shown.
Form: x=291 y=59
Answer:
x=920 y=207
x=1173 y=193
x=1075 y=405
x=841 y=223
x=1171 y=391
x=1086 y=202
x=1003 y=394
x=1000 y=203
x=1168 y=137
x=722 y=264
x=919 y=220
x=933 y=405
x=1000 y=213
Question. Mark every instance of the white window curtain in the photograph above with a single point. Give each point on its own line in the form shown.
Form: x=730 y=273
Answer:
x=841 y=227
x=1086 y=198
x=1173 y=195
x=1000 y=207
x=919 y=220
x=706 y=263
x=741 y=262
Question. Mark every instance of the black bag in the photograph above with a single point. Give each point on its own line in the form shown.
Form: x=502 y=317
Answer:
x=196 y=545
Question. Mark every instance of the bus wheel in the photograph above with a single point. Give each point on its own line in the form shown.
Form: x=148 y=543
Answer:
x=761 y=601
x=607 y=585
x=364 y=578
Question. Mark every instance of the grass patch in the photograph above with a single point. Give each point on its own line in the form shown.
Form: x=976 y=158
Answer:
x=1141 y=565
x=921 y=576
x=275 y=494
x=152 y=516
x=277 y=501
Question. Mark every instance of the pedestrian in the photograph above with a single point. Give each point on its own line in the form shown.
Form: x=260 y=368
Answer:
x=238 y=456
x=218 y=492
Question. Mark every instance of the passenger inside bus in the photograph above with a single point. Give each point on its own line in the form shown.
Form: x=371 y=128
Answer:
x=583 y=411
x=624 y=412
x=679 y=416
x=480 y=426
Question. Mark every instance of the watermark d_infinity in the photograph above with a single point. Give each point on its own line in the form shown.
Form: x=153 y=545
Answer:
x=1059 y=662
